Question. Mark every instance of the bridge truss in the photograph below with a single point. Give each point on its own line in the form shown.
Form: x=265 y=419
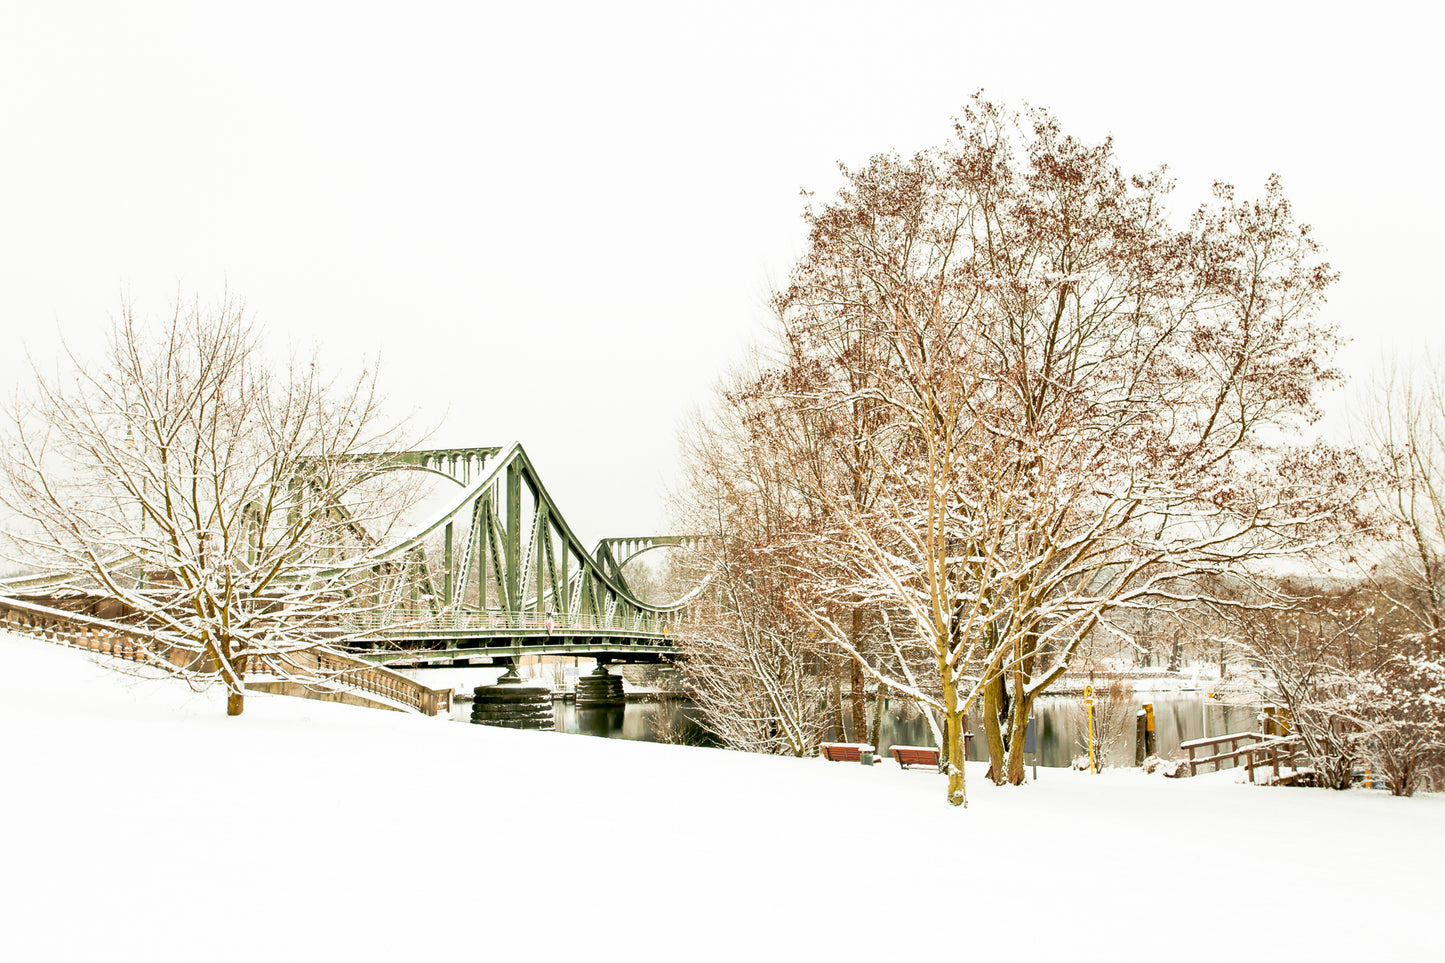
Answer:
x=498 y=573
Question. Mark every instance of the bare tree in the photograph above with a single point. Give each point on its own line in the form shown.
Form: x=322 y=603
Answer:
x=1361 y=685
x=1303 y=642
x=1401 y=422
x=216 y=498
x=759 y=681
x=1399 y=708
x=754 y=675
x=1074 y=409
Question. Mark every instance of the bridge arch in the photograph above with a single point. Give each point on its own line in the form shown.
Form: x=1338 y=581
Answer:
x=499 y=561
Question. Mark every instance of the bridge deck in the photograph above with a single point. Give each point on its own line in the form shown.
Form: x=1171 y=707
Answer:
x=490 y=651
x=487 y=639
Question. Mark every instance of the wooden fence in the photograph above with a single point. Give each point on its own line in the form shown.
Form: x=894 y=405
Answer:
x=1258 y=750
x=312 y=673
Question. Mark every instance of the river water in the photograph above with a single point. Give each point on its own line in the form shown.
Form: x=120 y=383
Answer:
x=1060 y=724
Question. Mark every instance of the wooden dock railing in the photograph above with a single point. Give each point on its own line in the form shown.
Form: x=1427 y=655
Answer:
x=316 y=674
x=1258 y=750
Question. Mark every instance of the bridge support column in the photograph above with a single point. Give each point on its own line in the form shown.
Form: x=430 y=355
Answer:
x=599 y=689
x=513 y=703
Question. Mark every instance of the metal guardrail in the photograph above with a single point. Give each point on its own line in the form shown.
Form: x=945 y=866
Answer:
x=505 y=622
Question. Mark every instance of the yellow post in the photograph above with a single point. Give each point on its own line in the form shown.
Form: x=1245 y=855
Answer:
x=1089 y=721
x=1150 y=742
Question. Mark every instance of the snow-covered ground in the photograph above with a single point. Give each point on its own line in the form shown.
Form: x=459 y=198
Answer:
x=138 y=823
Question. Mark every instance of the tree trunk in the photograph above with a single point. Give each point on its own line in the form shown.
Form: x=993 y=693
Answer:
x=860 y=704
x=840 y=733
x=953 y=742
x=860 y=698
x=879 y=707
x=993 y=709
x=236 y=698
x=219 y=659
x=1019 y=728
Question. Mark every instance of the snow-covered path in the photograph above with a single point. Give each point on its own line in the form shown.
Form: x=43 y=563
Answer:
x=138 y=823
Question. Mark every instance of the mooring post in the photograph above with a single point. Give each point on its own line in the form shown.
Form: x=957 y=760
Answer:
x=1151 y=747
x=1031 y=743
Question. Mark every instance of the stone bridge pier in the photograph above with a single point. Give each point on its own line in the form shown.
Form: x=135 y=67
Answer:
x=513 y=702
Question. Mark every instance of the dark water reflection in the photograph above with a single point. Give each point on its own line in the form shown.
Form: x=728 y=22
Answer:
x=1060 y=726
x=1060 y=720
x=638 y=721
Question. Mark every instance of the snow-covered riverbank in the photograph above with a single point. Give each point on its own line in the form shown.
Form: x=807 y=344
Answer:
x=138 y=823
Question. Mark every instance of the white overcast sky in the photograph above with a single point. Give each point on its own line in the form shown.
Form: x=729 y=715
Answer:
x=560 y=222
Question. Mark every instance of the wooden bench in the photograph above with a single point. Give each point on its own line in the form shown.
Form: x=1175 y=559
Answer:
x=922 y=755
x=845 y=751
x=907 y=756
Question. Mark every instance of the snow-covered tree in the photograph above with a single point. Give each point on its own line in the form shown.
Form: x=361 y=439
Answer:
x=1307 y=643
x=1398 y=706
x=1398 y=710
x=216 y=496
x=1070 y=407
x=751 y=466
x=1401 y=421
x=759 y=680
x=1361 y=685
x=753 y=674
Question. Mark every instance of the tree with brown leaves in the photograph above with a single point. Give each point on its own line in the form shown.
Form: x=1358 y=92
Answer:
x=1068 y=408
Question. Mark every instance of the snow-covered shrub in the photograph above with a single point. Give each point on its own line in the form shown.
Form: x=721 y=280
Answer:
x=1399 y=710
x=1309 y=655
x=1364 y=686
x=1113 y=718
x=1169 y=768
x=671 y=725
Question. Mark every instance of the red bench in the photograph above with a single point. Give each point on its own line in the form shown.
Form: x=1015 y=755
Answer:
x=915 y=756
x=845 y=751
x=907 y=756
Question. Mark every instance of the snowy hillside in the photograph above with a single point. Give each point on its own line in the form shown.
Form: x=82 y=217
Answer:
x=138 y=823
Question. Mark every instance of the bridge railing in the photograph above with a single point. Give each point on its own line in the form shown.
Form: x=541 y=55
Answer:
x=336 y=673
x=314 y=672
x=100 y=636
x=507 y=622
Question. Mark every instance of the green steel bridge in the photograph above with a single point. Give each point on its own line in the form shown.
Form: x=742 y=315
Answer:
x=497 y=573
